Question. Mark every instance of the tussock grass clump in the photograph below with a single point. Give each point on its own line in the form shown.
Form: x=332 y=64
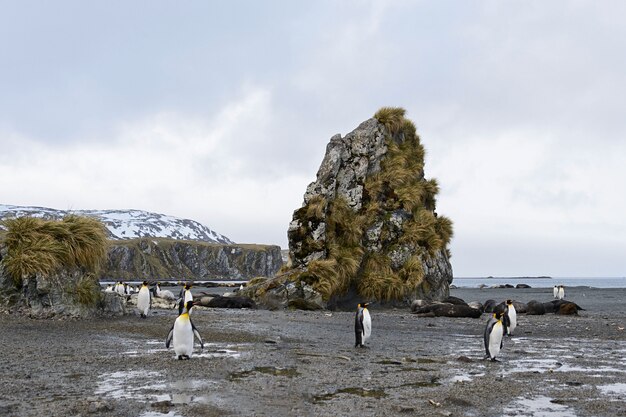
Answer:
x=322 y=274
x=412 y=273
x=392 y=118
x=316 y=207
x=38 y=246
x=343 y=225
x=256 y=280
x=379 y=280
x=36 y=256
x=87 y=291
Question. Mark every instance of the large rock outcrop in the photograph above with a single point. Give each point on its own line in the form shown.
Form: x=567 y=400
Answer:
x=368 y=228
x=152 y=258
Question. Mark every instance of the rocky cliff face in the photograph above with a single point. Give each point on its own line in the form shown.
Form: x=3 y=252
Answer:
x=152 y=258
x=368 y=228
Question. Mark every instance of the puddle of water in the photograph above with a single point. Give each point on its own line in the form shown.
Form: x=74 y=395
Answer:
x=157 y=414
x=465 y=376
x=211 y=350
x=221 y=353
x=125 y=384
x=538 y=407
x=362 y=392
x=617 y=388
x=553 y=365
x=148 y=386
x=389 y=362
x=422 y=384
x=268 y=370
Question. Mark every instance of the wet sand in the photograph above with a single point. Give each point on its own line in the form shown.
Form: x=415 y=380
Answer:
x=264 y=363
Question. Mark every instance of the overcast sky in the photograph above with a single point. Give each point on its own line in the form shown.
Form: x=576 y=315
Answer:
x=221 y=112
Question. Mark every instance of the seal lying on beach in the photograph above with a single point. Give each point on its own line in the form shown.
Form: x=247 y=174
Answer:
x=227 y=302
x=447 y=310
x=556 y=306
x=568 y=308
x=489 y=305
x=535 y=308
x=520 y=307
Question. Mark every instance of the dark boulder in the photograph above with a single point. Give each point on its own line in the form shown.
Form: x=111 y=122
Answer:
x=523 y=286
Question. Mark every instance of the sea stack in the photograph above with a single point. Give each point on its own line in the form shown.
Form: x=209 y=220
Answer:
x=368 y=228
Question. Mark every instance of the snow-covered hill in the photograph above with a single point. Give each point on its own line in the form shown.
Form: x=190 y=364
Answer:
x=128 y=224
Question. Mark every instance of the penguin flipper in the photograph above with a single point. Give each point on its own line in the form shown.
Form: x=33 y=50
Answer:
x=197 y=334
x=488 y=329
x=358 y=328
x=170 y=336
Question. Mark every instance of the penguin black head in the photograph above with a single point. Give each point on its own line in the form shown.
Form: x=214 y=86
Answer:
x=509 y=302
x=145 y=283
x=187 y=286
x=189 y=305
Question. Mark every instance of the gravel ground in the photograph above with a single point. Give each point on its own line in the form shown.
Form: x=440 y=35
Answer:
x=303 y=364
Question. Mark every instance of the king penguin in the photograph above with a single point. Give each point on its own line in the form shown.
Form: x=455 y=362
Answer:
x=182 y=334
x=362 y=325
x=555 y=292
x=144 y=300
x=510 y=318
x=561 y=292
x=185 y=296
x=493 y=336
x=119 y=288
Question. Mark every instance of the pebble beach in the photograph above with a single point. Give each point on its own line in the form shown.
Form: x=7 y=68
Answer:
x=299 y=363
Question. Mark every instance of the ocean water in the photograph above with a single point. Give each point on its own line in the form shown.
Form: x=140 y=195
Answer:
x=594 y=282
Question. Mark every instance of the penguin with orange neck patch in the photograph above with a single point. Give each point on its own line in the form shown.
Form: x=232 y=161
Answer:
x=494 y=332
x=182 y=334
x=362 y=325
x=144 y=300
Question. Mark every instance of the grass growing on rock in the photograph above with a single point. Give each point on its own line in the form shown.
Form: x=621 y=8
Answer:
x=38 y=246
x=333 y=253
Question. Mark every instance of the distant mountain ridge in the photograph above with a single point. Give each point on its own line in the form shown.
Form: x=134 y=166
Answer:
x=128 y=224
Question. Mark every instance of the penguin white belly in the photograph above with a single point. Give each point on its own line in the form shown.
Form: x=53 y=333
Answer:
x=555 y=292
x=143 y=300
x=512 y=319
x=183 y=336
x=367 y=325
x=188 y=296
x=495 y=339
x=561 y=293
